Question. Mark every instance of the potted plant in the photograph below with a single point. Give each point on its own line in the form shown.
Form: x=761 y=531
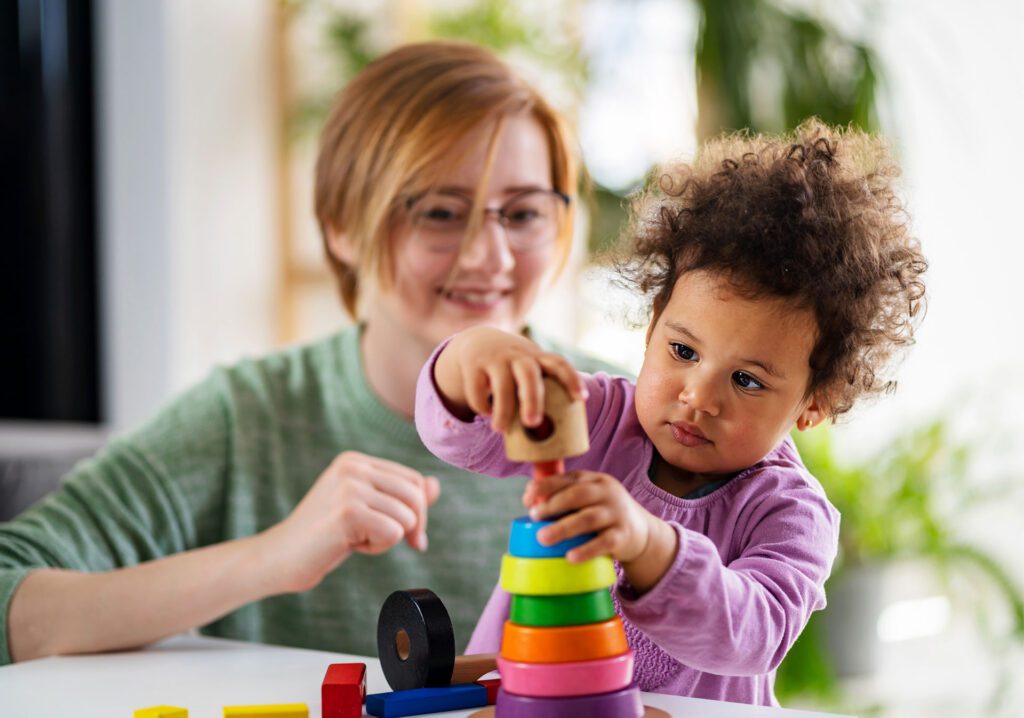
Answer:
x=906 y=502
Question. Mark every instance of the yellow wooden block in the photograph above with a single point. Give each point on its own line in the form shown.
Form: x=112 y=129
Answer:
x=161 y=712
x=282 y=710
x=555 y=576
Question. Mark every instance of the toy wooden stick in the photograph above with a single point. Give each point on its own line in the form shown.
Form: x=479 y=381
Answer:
x=562 y=434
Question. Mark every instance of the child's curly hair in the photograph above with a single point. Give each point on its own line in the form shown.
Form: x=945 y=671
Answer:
x=811 y=217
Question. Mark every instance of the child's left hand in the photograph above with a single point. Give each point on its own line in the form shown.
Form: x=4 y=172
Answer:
x=597 y=503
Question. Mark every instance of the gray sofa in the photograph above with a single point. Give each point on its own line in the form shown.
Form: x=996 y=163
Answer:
x=34 y=457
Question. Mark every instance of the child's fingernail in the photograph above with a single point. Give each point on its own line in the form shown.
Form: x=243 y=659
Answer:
x=535 y=513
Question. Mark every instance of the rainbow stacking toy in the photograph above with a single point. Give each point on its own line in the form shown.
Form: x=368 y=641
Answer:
x=563 y=651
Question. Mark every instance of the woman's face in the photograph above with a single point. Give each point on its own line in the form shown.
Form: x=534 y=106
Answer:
x=438 y=291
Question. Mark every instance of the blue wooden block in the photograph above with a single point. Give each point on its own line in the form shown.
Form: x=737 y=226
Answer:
x=522 y=540
x=426 y=700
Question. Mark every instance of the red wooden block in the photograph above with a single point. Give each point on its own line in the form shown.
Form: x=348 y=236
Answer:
x=343 y=690
x=492 y=685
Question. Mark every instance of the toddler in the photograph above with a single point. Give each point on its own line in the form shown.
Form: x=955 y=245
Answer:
x=782 y=278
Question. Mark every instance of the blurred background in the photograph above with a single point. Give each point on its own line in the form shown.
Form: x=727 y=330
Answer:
x=157 y=220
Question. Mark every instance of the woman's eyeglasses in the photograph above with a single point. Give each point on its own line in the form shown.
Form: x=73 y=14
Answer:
x=531 y=219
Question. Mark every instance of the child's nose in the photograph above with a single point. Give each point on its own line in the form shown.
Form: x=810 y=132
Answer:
x=699 y=394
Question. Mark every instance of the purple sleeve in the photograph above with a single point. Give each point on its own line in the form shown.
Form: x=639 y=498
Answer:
x=741 y=618
x=486 y=636
x=470 y=445
x=474 y=446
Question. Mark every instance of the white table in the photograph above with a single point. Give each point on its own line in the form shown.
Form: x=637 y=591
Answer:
x=206 y=674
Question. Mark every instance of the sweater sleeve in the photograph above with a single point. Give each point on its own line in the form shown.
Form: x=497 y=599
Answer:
x=474 y=446
x=153 y=492
x=470 y=445
x=751 y=610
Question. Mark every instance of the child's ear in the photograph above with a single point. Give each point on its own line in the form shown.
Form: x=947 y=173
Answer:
x=342 y=247
x=813 y=414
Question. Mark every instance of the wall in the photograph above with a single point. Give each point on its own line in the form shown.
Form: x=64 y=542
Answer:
x=188 y=210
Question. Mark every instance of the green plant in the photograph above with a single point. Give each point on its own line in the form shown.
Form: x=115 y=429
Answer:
x=905 y=502
x=766 y=65
x=351 y=43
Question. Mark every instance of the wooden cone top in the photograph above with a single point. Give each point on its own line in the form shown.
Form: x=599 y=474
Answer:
x=563 y=433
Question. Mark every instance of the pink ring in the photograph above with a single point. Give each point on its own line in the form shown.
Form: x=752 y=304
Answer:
x=576 y=678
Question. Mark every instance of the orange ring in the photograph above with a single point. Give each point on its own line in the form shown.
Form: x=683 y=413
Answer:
x=562 y=644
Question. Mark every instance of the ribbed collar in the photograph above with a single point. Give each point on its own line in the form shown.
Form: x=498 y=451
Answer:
x=353 y=372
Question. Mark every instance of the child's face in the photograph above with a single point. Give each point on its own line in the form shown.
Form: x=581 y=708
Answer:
x=724 y=377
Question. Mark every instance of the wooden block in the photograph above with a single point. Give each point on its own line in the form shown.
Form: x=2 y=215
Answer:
x=343 y=690
x=563 y=434
x=161 y=712
x=492 y=685
x=555 y=576
x=426 y=700
x=470 y=667
x=280 y=710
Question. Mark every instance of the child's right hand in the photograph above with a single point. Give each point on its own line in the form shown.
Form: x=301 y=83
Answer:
x=488 y=372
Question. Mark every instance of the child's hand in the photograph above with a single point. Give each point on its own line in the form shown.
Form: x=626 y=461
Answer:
x=597 y=503
x=487 y=371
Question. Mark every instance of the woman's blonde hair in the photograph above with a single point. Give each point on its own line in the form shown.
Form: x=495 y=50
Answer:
x=394 y=130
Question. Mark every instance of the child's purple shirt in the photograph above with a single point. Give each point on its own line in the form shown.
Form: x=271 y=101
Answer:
x=752 y=560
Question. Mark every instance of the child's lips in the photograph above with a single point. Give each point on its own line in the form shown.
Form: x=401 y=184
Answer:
x=688 y=435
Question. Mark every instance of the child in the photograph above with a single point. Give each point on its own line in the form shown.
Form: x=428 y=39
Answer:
x=782 y=277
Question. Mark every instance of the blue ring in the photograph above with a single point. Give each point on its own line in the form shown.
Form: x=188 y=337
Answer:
x=522 y=540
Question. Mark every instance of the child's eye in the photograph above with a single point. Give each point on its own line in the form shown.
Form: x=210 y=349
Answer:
x=681 y=351
x=745 y=381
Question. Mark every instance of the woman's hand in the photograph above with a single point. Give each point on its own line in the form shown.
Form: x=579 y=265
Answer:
x=361 y=504
x=597 y=503
x=488 y=372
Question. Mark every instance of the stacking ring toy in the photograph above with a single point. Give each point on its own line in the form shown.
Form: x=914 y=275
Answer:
x=555 y=576
x=620 y=704
x=415 y=640
x=565 y=610
x=546 y=680
x=564 y=643
x=523 y=541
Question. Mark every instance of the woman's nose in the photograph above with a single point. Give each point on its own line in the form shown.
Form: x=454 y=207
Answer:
x=489 y=250
x=698 y=393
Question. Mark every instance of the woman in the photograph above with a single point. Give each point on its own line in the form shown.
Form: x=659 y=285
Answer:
x=282 y=499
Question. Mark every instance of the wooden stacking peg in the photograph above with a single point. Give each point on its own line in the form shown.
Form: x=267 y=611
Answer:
x=562 y=434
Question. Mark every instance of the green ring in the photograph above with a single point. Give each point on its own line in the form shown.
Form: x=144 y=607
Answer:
x=567 y=610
